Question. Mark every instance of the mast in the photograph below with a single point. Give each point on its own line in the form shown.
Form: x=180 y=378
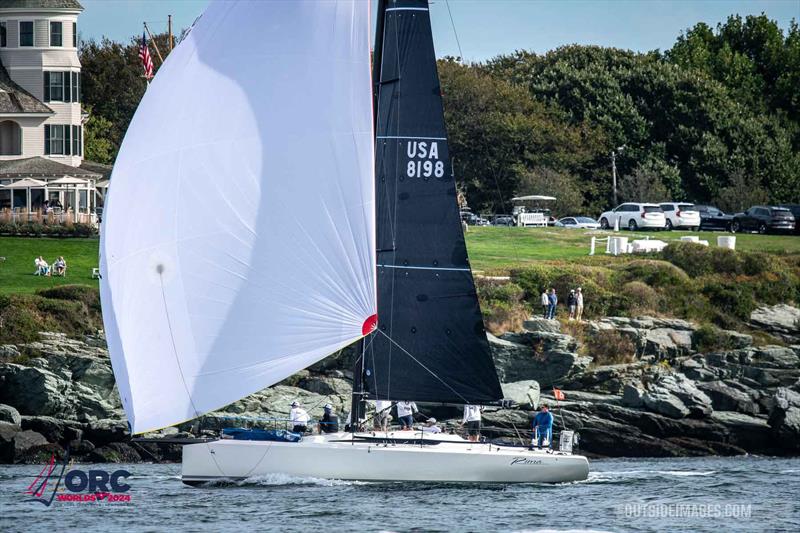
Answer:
x=358 y=405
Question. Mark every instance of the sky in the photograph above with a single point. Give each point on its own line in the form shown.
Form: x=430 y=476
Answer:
x=486 y=28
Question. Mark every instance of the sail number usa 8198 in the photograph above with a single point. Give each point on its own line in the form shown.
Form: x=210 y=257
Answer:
x=423 y=160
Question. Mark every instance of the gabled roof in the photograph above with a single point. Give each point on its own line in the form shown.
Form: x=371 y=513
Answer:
x=15 y=99
x=99 y=168
x=40 y=4
x=41 y=167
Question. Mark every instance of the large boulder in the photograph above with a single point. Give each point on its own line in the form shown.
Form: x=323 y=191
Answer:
x=784 y=419
x=632 y=396
x=10 y=415
x=667 y=342
x=25 y=441
x=548 y=358
x=781 y=319
x=524 y=393
x=696 y=401
x=116 y=452
x=34 y=391
x=661 y=401
x=731 y=396
x=537 y=324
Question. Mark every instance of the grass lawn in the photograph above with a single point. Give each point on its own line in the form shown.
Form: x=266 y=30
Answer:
x=489 y=248
x=16 y=272
x=501 y=247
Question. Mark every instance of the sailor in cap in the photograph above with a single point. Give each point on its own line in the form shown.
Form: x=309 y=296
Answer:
x=329 y=423
x=298 y=417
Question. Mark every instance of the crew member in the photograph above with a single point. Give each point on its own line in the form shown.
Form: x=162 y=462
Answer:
x=431 y=427
x=299 y=418
x=543 y=427
x=472 y=419
x=380 y=422
x=405 y=413
x=329 y=423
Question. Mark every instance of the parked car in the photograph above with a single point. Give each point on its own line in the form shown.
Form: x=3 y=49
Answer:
x=712 y=218
x=795 y=209
x=681 y=215
x=634 y=216
x=763 y=218
x=503 y=220
x=577 y=222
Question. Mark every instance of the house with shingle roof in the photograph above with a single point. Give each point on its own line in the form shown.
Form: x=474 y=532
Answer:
x=41 y=119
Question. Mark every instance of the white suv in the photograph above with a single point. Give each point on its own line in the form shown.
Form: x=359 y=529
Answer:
x=634 y=216
x=681 y=215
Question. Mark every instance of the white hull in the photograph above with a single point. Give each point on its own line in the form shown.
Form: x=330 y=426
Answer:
x=338 y=457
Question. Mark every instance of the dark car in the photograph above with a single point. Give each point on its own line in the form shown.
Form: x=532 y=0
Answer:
x=503 y=220
x=712 y=218
x=762 y=218
x=795 y=209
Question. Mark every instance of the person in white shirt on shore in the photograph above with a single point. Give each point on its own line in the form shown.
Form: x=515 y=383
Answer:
x=405 y=413
x=299 y=418
x=472 y=419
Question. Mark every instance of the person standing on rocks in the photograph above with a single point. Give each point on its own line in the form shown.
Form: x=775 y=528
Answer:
x=299 y=418
x=543 y=427
x=578 y=304
x=545 y=304
x=571 y=304
x=552 y=300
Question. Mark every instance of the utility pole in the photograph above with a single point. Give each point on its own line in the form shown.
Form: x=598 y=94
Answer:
x=614 y=171
x=169 y=30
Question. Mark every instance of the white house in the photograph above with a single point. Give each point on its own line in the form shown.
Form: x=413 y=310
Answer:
x=41 y=120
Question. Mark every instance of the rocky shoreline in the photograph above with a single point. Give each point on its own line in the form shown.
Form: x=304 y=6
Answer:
x=668 y=400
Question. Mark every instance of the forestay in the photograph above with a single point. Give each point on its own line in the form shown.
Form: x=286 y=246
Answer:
x=238 y=242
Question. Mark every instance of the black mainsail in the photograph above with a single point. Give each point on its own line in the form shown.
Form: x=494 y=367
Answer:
x=430 y=344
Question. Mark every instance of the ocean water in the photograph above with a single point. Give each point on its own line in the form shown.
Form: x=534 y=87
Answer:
x=689 y=494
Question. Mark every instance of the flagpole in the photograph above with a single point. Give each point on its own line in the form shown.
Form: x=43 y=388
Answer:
x=155 y=45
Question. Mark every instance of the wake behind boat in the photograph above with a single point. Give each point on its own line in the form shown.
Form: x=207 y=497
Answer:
x=221 y=292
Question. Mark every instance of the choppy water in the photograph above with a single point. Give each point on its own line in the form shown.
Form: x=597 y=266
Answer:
x=696 y=494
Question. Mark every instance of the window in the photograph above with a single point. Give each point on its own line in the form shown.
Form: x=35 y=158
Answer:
x=53 y=139
x=76 y=140
x=26 y=33
x=652 y=209
x=74 y=78
x=54 y=87
x=75 y=35
x=667 y=207
x=3 y=34
x=56 y=34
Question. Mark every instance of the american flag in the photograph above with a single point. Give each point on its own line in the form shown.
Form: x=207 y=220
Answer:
x=144 y=55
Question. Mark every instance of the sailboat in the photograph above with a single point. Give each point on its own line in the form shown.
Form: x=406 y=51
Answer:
x=278 y=196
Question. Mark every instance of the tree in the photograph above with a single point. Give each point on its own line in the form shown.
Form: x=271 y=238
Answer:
x=564 y=187
x=740 y=194
x=98 y=146
x=645 y=184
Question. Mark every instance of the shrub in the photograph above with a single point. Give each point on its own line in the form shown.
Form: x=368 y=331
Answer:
x=641 y=297
x=655 y=273
x=51 y=230
x=502 y=304
x=609 y=347
x=707 y=338
x=599 y=296
x=731 y=298
x=23 y=316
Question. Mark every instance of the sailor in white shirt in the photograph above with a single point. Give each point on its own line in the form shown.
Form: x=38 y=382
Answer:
x=381 y=420
x=299 y=418
x=472 y=419
x=405 y=413
x=431 y=427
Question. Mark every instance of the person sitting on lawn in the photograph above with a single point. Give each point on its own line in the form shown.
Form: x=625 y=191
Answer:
x=60 y=266
x=42 y=268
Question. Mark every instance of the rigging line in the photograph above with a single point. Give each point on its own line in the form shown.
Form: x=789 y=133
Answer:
x=453 y=24
x=431 y=372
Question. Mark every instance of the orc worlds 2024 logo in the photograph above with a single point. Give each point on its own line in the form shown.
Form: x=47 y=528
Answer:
x=79 y=486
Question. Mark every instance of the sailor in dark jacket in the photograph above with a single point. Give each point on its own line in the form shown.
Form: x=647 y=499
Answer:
x=329 y=423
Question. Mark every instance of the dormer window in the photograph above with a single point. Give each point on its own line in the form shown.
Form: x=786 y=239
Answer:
x=56 y=34
x=26 y=33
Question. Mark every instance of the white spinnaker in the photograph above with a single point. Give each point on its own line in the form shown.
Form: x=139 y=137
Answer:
x=238 y=240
